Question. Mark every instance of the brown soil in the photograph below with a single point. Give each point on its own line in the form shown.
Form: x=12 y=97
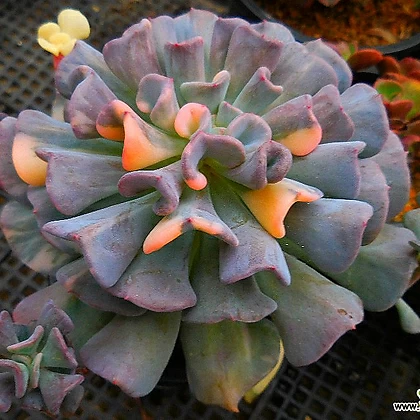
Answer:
x=368 y=22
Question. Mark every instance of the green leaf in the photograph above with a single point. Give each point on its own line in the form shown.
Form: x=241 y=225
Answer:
x=226 y=359
x=388 y=88
x=132 y=352
x=312 y=313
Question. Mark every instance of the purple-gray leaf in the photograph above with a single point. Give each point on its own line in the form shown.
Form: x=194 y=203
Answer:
x=312 y=313
x=167 y=180
x=392 y=161
x=335 y=123
x=364 y=106
x=77 y=179
x=216 y=301
x=133 y=352
x=328 y=231
x=109 y=238
x=374 y=191
x=380 y=281
x=249 y=50
x=83 y=107
x=341 y=68
x=257 y=249
x=159 y=281
x=78 y=280
x=341 y=180
x=132 y=56
x=300 y=72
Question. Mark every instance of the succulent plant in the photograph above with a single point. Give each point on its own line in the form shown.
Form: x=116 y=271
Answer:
x=214 y=182
x=37 y=364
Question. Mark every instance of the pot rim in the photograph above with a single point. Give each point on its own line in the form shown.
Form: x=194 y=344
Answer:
x=400 y=49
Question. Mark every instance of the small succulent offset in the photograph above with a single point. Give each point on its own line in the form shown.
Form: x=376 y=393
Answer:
x=214 y=182
x=37 y=365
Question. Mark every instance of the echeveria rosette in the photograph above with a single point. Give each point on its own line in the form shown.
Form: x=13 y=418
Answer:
x=210 y=173
x=37 y=365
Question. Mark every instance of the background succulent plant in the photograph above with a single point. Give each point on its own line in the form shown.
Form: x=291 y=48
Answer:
x=213 y=181
x=37 y=364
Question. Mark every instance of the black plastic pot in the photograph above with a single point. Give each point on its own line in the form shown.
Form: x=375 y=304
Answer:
x=250 y=10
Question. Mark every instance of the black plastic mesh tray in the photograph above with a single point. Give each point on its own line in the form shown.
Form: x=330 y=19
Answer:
x=358 y=379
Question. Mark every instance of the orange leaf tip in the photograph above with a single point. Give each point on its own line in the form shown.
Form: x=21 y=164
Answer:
x=271 y=203
x=30 y=168
x=191 y=118
x=303 y=141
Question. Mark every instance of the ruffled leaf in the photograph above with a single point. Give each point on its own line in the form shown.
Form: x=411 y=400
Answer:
x=228 y=359
x=75 y=180
x=312 y=313
x=240 y=301
x=195 y=212
x=133 y=352
x=192 y=118
x=156 y=96
x=159 y=281
x=226 y=114
x=184 y=61
x=44 y=212
x=88 y=320
x=382 y=270
x=210 y=94
x=257 y=249
x=83 y=107
x=132 y=56
x=265 y=160
x=226 y=150
x=78 y=280
x=144 y=145
x=341 y=180
x=35 y=130
x=167 y=180
x=67 y=76
x=328 y=231
x=258 y=93
x=336 y=125
x=364 y=106
x=393 y=163
x=249 y=50
x=195 y=22
x=294 y=125
x=271 y=204
x=222 y=34
x=109 y=238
